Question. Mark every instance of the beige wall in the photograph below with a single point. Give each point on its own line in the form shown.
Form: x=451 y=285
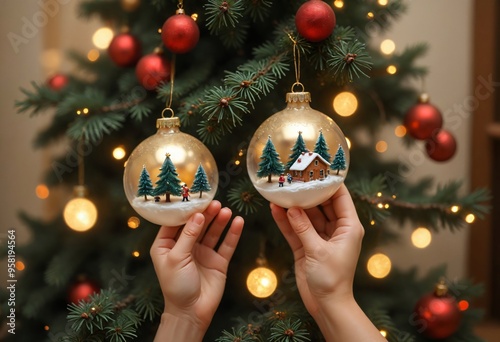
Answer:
x=444 y=25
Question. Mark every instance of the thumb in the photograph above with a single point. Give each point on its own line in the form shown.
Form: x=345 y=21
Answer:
x=189 y=235
x=304 y=229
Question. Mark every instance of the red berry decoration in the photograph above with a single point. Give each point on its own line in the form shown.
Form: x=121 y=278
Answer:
x=180 y=33
x=152 y=70
x=423 y=119
x=438 y=313
x=441 y=146
x=124 y=50
x=315 y=20
x=58 y=82
x=81 y=291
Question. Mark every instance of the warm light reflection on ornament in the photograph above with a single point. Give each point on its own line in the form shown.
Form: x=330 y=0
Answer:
x=42 y=191
x=387 y=46
x=80 y=214
x=470 y=218
x=262 y=282
x=102 y=37
x=463 y=305
x=379 y=265
x=421 y=237
x=381 y=146
x=383 y=333
x=345 y=103
x=383 y=2
x=136 y=254
x=177 y=154
x=348 y=142
x=400 y=131
x=20 y=266
x=391 y=69
x=119 y=153
x=133 y=222
x=338 y=3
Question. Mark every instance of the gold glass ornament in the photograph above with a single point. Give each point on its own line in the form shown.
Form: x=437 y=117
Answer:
x=311 y=149
x=173 y=161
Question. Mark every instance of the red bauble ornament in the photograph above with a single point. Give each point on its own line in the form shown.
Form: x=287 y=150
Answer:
x=58 y=82
x=441 y=146
x=423 y=119
x=439 y=313
x=180 y=33
x=81 y=291
x=124 y=49
x=315 y=20
x=151 y=70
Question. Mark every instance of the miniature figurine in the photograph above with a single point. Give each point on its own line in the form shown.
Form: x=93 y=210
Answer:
x=281 y=180
x=185 y=193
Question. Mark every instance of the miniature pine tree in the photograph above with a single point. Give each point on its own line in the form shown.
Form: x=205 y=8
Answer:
x=339 y=160
x=297 y=149
x=200 y=182
x=168 y=182
x=270 y=162
x=322 y=148
x=145 y=186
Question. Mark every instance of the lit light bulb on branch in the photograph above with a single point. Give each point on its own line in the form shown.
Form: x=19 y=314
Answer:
x=80 y=214
x=262 y=282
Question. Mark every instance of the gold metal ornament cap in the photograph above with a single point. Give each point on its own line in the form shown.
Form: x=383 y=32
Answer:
x=441 y=289
x=423 y=98
x=168 y=122
x=303 y=96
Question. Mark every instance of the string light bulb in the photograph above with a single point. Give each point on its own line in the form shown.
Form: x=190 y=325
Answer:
x=102 y=37
x=80 y=214
x=421 y=237
x=262 y=282
x=379 y=265
x=345 y=103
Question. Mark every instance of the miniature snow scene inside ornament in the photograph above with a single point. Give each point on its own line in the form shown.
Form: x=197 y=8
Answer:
x=170 y=176
x=298 y=156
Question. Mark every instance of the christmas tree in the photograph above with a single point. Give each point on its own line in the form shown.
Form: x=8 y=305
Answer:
x=168 y=182
x=338 y=162
x=321 y=147
x=200 y=182
x=297 y=149
x=270 y=163
x=232 y=79
x=145 y=187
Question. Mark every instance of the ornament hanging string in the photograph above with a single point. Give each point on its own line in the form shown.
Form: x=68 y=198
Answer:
x=81 y=167
x=296 y=63
x=171 y=96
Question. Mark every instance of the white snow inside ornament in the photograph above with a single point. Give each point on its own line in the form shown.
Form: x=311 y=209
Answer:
x=298 y=156
x=170 y=175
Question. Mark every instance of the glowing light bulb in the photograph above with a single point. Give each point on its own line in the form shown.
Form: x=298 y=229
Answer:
x=387 y=47
x=400 y=131
x=80 y=214
x=119 y=153
x=455 y=208
x=42 y=191
x=102 y=37
x=379 y=265
x=93 y=55
x=463 y=305
x=381 y=146
x=20 y=266
x=345 y=103
x=133 y=222
x=383 y=2
x=470 y=218
x=262 y=282
x=421 y=237
x=338 y=3
x=136 y=254
x=391 y=69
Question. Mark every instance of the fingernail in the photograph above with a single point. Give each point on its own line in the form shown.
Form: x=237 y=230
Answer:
x=198 y=218
x=294 y=212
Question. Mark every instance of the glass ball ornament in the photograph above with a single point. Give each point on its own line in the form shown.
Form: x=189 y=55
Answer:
x=298 y=156
x=262 y=282
x=80 y=214
x=170 y=175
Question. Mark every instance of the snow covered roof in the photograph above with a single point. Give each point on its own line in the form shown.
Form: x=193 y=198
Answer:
x=305 y=159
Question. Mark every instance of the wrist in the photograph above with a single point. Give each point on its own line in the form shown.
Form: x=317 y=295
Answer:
x=174 y=328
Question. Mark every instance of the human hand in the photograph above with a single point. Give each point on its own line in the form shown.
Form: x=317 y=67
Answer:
x=192 y=274
x=325 y=241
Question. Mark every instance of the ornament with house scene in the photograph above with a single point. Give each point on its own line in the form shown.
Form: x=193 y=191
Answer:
x=145 y=186
x=270 y=163
x=339 y=162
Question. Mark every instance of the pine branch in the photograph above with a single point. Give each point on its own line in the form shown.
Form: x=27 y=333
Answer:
x=288 y=331
x=244 y=197
x=38 y=100
x=223 y=14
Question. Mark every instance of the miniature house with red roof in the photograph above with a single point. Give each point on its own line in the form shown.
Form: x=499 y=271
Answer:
x=309 y=166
